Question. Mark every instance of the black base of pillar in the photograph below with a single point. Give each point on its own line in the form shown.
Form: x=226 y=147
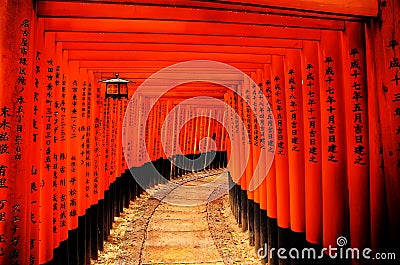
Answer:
x=106 y=215
x=238 y=209
x=94 y=227
x=272 y=231
x=256 y=223
x=284 y=242
x=88 y=228
x=250 y=218
x=73 y=247
x=120 y=194
x=81 y=240
x=263 y=235
x=61 y=253
x=94 y=232
x=100 y=225
x=243 y=207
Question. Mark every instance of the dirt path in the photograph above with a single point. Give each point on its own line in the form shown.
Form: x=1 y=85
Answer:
x=186 y=227
x=179 y=234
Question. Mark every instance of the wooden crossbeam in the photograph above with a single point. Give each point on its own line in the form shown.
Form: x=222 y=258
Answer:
x=155 y=47
x=152 y=38
x=157 y=13
x=166 y=56
x=346 y=11
x=177 y=27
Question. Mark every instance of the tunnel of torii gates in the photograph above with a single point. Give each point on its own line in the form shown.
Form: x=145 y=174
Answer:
x=330 y=72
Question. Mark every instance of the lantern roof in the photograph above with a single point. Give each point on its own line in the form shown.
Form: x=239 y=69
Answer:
x=115 y=80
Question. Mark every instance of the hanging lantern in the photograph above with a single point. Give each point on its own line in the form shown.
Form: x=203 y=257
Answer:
x=116 y=87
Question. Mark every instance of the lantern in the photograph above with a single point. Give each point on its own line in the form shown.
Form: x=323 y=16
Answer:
x=116 y=87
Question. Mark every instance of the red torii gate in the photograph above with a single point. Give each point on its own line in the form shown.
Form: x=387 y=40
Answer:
x=330 y=72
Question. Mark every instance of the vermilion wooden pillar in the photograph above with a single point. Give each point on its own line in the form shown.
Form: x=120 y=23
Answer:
x=294 y=115
x=266 y=147
x=247 y=116
x=122 y=161
x=209 y=149
x=107 y=142
x=378 y=210
x=334 y=177
x=83 y=178
x=152 y=125
x=271 y=145
x=356 y=108
x=281 y=155
x=187 y=134
x=58 y=181
x=386 y=46
x=16 y=98
x=312 y=142
x=164 y=114
x=37 y=112
x=167 y=145
x=229 y=125
x=47 y=235
x=263 y=138
x=197 y=131
x=89 y=143
x=62 y=86
x=191 y=130
x=235 y=137
x=72 y=147
x=237 y=156
x=243 y=157
x=180 y=136
x=131 y=145
x=113 y=127
x=143 y=106
x=255 y=141
x=135 y=145
x=84 y=161
x=207 y=145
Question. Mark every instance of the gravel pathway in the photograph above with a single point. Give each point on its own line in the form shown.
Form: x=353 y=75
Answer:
x=196 y=226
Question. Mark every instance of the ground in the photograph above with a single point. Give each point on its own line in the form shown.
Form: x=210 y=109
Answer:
x=152 y=231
